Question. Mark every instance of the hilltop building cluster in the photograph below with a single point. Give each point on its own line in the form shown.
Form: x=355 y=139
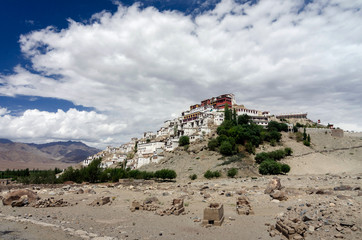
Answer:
x=197 y=123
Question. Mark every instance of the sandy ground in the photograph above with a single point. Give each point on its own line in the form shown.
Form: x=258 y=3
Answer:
x=116 y=221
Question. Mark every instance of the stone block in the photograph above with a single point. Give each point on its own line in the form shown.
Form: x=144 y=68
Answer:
x=213 y=214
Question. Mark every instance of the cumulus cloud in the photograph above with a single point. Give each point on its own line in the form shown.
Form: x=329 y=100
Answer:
x=90 y=127
x=140 y=65
x=3 y=111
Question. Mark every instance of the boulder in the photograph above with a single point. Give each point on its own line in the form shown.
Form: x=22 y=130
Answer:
x=279 y=195
x=343 y=188
x=20 y=198
x=151 y=200
x=100 y=201
x=274 y=184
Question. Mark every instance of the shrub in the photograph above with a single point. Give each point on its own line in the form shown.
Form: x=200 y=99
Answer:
x=209 y=174
x=193 y=176
x=273 y=143
x=269 y=167
x=288 y=151
x=277 y=154
x=232 y=172
x=213 y=144
x=165 y=174
x=221 y=138
x=235 y=158
x=250 y=148
x=299 y=136
x=217 y=174
x=226 y=148
x=261 y=157
x=306 y=143
x=285 y=168
x=184 y=140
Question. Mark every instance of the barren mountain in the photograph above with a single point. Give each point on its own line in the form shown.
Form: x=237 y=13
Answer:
x=43 y=156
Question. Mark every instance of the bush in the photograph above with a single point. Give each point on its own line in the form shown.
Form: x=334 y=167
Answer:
x=235 y=158
x=217 y=174
x=288 y=151
x=285 y=168
x=165 y=174
x=277 y=154
x=250 y=148
x=269 y=167
x=184 y=140
x=193 y=176
x=306 y=143
x=226 y=148
x=299 y=136
x=210 y=174
x=232 y=172
x=261 y=157
x=213 y=144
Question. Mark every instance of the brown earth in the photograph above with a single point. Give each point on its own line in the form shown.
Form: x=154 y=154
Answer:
x=328 y=209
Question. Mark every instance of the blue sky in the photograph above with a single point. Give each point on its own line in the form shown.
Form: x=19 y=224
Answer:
x=104 y=71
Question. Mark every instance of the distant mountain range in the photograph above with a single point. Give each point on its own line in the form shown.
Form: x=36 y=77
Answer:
x=14 y=155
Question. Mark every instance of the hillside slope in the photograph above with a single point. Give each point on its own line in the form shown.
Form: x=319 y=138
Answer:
x=327 y=154
x=42 y=156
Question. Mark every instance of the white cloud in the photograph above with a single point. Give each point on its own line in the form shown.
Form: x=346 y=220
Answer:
x=140 y=66
x=91 y=127
x=3 y=111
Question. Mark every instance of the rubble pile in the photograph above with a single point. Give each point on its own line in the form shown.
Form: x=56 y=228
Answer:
x=243 y=206
x=319 y=221
x=51 y=202
x=176 y=209
x=149 y=204
x=19 y=198
x=275 y=190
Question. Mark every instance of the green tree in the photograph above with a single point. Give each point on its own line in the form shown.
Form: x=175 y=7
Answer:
x=285 y=168
x=244 y=119
x=226 y=148
x=93 y=171
x=304 y=135
x=184 y=140
x=269 y=167
x=232 y=172
x=213 y=144
x=227 y=113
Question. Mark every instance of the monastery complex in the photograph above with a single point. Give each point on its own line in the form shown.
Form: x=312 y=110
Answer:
x=197 y=123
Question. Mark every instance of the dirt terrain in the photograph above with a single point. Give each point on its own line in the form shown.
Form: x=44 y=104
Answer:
x=319 y=199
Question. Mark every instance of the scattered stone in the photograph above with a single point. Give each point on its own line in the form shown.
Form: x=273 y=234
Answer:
x=89 y=191
x=100 y=201
x=50 y=202
x=346 y=224
x=176 y=209
x=243 y=206
x=19 y=198
x=151 y=200
x=292 y=229
x=279 y=195
x=343 y=188
x=274 y=184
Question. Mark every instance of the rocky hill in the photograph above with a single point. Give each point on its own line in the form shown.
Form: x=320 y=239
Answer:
x=15 y=155
x=326 y=155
